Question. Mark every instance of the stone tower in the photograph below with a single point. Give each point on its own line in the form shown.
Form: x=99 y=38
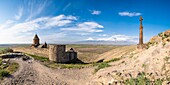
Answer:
x=141 y=45
x=57 y=53
x=36 y=40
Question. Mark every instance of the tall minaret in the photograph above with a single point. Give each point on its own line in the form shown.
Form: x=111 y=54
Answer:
x=141 y=32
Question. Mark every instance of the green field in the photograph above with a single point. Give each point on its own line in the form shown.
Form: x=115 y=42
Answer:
x=1 y=48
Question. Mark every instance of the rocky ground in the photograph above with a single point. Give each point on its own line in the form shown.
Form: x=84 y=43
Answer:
x=28 y=75
x=154 y=62
x=33 y=73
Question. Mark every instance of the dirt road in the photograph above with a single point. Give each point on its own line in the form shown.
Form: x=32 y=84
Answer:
x=36 y=74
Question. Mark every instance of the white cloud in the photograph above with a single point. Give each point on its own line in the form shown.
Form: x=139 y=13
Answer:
x=96 y=12
x=87 y=27
x=90 y=38
x=103 y=35
x=16 y=32
x=118 y=38
x=44 y=23
x=60 y=20
x=22 y=32
x=67 y=6
x=20 y=13
x=36 y=9
x=54 y=37
x=130 y=14
x=7 y=24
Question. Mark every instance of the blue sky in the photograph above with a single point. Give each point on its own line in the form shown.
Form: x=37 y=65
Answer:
x=65 y=21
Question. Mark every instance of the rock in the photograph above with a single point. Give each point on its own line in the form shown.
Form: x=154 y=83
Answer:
x=155 y=39
x=167 y=33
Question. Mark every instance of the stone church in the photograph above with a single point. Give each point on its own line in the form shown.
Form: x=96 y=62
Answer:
x=56 y=52
x=36 y=42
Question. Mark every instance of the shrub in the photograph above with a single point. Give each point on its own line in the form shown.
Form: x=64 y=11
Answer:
x=165 y=36
x=164 y=44
x=4 y=73
x=40 y=58
x=130 y=81
x=142 y=80
x=148 y=45
x=143 y=65
x=12 y=67
x=101 y=66
x=0 y=61
x=7 y=50
x=158 y=82
x=166 y=58
x=3 y=66
x=160 y=34
x=113 y=60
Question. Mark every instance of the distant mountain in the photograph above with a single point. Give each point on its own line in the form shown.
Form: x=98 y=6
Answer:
x=12 y=45
x=106 y=42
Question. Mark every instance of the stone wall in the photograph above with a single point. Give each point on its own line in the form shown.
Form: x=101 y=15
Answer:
x=57 y=53
x=31 y=50
x=71 y=55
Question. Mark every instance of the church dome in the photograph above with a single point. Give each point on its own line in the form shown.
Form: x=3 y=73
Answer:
x=36 y=37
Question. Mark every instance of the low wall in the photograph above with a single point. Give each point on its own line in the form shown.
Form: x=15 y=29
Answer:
x=34 y=51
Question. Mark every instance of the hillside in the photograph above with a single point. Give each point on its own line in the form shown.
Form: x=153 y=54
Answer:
x=153 y=64
x=163 y=37
x=115 y=53
x=89 y=53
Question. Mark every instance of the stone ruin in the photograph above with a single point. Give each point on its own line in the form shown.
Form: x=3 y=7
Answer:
x=59 y=54
x=71 y=54
x=56 y=53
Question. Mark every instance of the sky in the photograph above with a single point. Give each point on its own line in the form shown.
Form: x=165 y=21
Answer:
x=70 y=21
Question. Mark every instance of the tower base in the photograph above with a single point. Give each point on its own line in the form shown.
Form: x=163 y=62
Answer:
x=141 y=46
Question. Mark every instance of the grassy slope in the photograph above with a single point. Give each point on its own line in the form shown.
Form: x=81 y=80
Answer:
x=54 y=65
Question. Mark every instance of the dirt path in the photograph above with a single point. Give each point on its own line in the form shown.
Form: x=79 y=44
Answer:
x=27 y=75
x=36 y=74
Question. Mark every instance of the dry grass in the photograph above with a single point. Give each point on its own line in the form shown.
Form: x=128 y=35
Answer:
x=88 y=53
x=8 y=68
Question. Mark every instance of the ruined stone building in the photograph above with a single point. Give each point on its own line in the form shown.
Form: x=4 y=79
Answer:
x=55 y=53
x=44 y=45
x=58 y=54
x=72 y=54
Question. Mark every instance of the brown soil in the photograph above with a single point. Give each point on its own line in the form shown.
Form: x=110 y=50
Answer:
x=36 y=74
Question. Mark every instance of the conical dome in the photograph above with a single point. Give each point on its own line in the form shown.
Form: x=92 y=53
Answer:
x=36 y=37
